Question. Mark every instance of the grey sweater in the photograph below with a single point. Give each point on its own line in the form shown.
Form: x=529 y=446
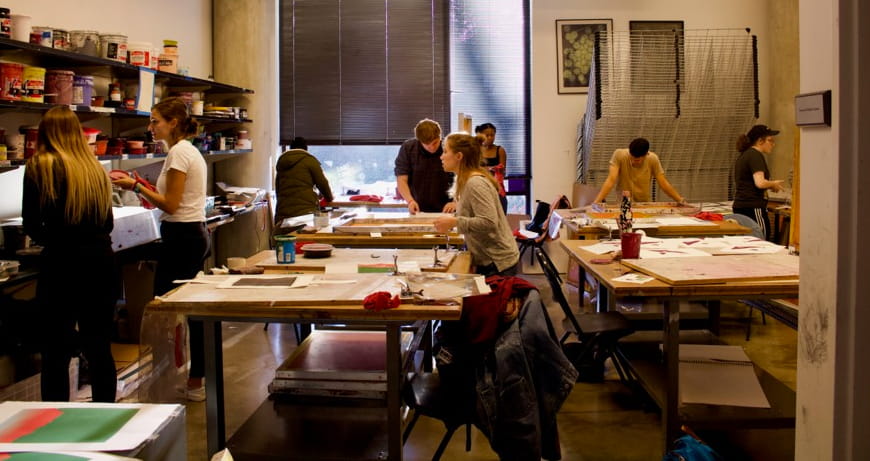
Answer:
x=481 y=219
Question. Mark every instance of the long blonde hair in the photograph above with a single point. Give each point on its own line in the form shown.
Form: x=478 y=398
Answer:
x=470 y=164
x=63 y=156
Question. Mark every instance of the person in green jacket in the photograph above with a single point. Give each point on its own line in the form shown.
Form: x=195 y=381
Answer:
x=298 y=172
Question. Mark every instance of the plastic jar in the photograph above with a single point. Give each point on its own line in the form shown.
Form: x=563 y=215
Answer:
x=21 y=27
x=168 y=63
x=170 y=47
x=140 y=53
x=83 y=89
x=5 y=23
x=11 y=77
x=85 y=42
x=34 y=84
x=114 y=47
x=59 y=86
x=155 y=58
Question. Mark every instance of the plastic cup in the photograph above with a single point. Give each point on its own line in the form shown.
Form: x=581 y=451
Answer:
x=630 y=242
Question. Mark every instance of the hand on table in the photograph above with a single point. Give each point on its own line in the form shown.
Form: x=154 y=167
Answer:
x=445 y=224
x=450 y=207
x=413 y=207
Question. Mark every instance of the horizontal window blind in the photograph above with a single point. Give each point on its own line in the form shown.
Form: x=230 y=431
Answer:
x=362 y=71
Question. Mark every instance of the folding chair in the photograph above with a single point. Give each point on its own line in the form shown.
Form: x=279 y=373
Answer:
x=427 y=396
x=546 y=225
x=597 y=333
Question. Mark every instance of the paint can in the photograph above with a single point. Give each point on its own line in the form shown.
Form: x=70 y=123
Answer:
x=33 y=84
x=114 y=47
x=59 y=86
x=83 y=89
x=42 y=35
x=285 y=249
x=60 y=39
x=5 y=23
x=140 y=53
x=11 y=77
x=85 y=42
x=31 y=136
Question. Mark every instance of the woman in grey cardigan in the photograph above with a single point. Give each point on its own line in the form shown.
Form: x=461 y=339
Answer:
x=479 y=215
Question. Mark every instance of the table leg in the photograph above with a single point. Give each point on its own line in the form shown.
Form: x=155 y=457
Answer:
x=603 y=299
x=394 y=383
x=671 y=346
x=427 y=347
x=215 y=424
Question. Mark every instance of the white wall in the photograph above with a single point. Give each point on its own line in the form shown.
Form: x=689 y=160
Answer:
x=188 y=22
x=555 y=116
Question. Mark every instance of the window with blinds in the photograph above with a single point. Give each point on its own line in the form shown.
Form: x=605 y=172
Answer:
x=362 y=71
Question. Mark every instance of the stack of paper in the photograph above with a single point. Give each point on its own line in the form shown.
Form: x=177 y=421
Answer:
x=719 y=375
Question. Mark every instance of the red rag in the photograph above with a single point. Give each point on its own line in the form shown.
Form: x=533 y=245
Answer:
x=381 y=300
x=366 y=198
x=709 y=216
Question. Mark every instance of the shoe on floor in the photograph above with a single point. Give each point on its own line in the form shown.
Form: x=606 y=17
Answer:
x=196 y=394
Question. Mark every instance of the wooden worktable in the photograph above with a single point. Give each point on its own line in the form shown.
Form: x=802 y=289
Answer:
x=349 y=258
x=662 y=381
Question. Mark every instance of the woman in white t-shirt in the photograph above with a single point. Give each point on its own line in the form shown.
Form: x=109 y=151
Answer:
x=180 y=194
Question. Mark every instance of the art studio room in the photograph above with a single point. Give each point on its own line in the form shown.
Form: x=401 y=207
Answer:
x=428 y=229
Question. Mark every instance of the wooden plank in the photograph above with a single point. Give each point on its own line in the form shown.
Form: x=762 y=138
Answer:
x=718 y=269
x=345 y=258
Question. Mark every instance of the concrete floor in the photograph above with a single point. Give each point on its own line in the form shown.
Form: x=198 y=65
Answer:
x=599 y=421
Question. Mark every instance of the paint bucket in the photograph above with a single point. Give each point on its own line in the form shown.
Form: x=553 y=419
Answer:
x=114 y=47
x=31 y=135
x=59 y=86
x=85 y=42
x=33 y=84
x=83 y=89
x=285 y=249
x=21 y=27
x=41 y=35
x=140 y=53
x=11 y=77
x=60 y=39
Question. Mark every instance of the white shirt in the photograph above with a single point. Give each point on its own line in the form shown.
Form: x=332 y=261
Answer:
x=188 y=160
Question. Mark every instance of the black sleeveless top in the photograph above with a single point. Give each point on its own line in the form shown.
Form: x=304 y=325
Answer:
x=492 y=161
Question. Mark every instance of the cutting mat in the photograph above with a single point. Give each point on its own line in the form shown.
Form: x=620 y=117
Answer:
x=718 y=269
x=387 y=225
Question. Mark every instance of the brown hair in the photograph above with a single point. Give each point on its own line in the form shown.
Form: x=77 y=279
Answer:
x=62 y=153
x=174 y=108
x=469 y=165
x=427 y=131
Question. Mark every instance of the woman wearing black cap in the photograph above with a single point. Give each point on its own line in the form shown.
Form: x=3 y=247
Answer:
x=752 y=176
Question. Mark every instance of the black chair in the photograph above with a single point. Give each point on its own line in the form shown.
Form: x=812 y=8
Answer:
x=426 y=395
x=597 y=333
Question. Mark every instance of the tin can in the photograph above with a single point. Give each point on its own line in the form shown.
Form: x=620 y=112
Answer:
x=60 y=39
x=5 y=23
x=285 y=249
x=42 y=35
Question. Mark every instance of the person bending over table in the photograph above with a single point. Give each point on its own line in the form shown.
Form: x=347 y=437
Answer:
x=633 y=169
x=67 y=208
x=298 y=173
x=751 y=176
x=421 y=180
x=479 y=215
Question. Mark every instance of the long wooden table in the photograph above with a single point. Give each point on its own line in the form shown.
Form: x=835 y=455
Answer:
x=663 y=382
x=365 y=238
x=349 y=259
x=334 y=303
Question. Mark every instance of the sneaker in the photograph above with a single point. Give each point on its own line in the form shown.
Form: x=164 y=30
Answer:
x=196 y=394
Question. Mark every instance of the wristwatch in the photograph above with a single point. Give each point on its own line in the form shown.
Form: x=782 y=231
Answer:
x=137 y=188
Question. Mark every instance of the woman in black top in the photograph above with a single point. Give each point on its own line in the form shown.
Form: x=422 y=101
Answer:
x=494 y=158
x=751 y=176
x=67 y=208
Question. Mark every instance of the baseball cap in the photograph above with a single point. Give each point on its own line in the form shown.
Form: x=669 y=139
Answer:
x=760 y=131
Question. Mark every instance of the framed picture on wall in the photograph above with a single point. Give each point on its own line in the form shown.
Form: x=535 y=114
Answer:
x=657 y=55
x=575 y=39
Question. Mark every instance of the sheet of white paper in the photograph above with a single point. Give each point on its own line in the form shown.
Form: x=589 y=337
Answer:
x=633 y=278
x=601 y=248
x=683 y=221
x=141 y=427
x=341 y=268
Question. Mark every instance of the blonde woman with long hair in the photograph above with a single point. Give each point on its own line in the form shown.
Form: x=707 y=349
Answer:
x=67 y=208
x=479 y=215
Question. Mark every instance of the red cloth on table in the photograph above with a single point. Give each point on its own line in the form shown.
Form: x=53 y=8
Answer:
x=709 y=216
x=381 y=300
x=366 y=198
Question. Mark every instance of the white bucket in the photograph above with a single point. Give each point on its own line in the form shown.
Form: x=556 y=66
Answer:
x=140 y=53
x=114 y=47
x=21 y=27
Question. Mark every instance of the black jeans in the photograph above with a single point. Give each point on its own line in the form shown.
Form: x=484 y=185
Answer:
x=78 y=287
x=185 y=245
x=491 y=269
